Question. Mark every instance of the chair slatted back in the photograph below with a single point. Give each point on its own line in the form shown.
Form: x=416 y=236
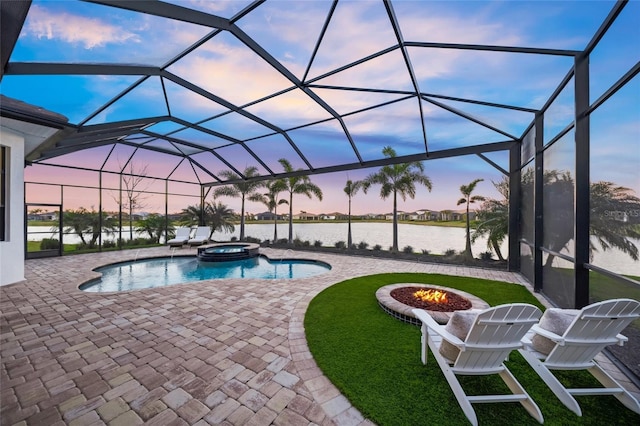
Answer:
x=496 y=332
x=592 y=330
x=202 y=231
x=183 y=232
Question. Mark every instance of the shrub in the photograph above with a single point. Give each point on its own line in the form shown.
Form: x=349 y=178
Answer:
x=377 y=247
x=363 y=245
x=83 y=246
x=108 y=244
x=252 y=240
x=341 y=245
x=49 y=244
x=283 y=241
x=407 y=249
x=317 y=243
x=425 y=251
x=486 y=255
x=140 y=242
x=449 y=252
x=299 y=243
x=234 y=238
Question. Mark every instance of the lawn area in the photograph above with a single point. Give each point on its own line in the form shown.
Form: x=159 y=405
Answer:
x=374 y=360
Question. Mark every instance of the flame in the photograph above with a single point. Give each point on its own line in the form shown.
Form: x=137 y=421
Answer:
x=434 y=296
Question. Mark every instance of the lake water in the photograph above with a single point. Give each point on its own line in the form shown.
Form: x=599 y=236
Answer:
x=436 y=239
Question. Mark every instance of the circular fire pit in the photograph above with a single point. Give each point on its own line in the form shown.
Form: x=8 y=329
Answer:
x=402 y=311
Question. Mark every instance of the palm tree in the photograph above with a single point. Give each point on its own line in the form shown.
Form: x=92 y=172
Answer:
x=245 y=190
x=397 y=179
x=351 y=189
x=271 y=201
x=192 y=215
x=493 y=219
x=154 y=225
x=219 y=217
x=297 y=185
x=615 y=217
x=76 y=221
x=468 y=199
x=83 y=221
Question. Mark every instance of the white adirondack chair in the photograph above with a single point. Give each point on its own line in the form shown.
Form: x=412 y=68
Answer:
x=589 y=331
x=181 y=238
x=494 y=333
x=201 y=236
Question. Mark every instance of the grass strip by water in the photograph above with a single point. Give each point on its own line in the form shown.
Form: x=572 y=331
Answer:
x=374 y=360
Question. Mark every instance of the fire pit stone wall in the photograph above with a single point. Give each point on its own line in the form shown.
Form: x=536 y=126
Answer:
x=403 y=312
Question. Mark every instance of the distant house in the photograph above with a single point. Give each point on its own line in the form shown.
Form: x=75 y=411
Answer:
x=333 y=216
x=413 y=216
x=448 y=215
x=429 y=214
x=268 y=216
x=140 y=216
x=306 y=216
x=43 y=216
x=463 y=214
x=452 y=215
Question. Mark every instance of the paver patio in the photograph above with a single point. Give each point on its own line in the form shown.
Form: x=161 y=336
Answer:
x=229 y=351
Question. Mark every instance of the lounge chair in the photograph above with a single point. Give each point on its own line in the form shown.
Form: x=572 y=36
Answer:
x=200 y=237
x=181 y=238
x=477 y=342
x=569 y=339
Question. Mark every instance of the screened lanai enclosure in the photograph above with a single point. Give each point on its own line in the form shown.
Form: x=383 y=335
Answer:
x=543 y=94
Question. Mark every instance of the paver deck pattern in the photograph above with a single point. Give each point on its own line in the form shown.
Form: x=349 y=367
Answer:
x=229 y=351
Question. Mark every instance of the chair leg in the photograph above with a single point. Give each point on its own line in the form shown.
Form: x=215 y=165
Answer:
x=554 y=384
x=423 y=342
x=609 y=382
x=455 y=386
x=517 y=389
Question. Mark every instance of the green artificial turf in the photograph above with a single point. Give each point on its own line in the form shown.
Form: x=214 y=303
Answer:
x=374 y=360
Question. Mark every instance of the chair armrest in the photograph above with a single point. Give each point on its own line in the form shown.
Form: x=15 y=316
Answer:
x=622 y=339
x=548 y=334
x=429 y=322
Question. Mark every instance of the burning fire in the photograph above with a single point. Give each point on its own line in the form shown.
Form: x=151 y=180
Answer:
x=433 y=296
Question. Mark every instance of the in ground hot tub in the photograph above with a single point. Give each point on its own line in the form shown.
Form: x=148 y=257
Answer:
x=224 y=252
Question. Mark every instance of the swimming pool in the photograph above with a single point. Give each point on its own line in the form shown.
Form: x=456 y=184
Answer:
x=160 y=272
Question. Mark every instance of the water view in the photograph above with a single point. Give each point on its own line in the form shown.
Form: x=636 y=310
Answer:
x=435 y=239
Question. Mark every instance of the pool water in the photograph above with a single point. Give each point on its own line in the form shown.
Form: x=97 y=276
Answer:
x=225 y=249
x=151 y=273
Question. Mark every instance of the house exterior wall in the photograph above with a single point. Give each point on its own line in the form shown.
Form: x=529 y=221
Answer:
x=12 y=249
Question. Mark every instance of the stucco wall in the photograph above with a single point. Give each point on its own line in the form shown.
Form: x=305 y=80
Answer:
x=12 y=250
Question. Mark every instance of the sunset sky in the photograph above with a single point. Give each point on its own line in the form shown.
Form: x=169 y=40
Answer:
x=78 y=32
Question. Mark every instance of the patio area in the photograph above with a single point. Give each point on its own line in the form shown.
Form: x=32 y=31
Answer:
x=212 y=352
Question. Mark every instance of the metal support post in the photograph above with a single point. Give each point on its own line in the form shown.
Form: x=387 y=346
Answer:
x=538 y=204
x=582 y=190
x=515 y=193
